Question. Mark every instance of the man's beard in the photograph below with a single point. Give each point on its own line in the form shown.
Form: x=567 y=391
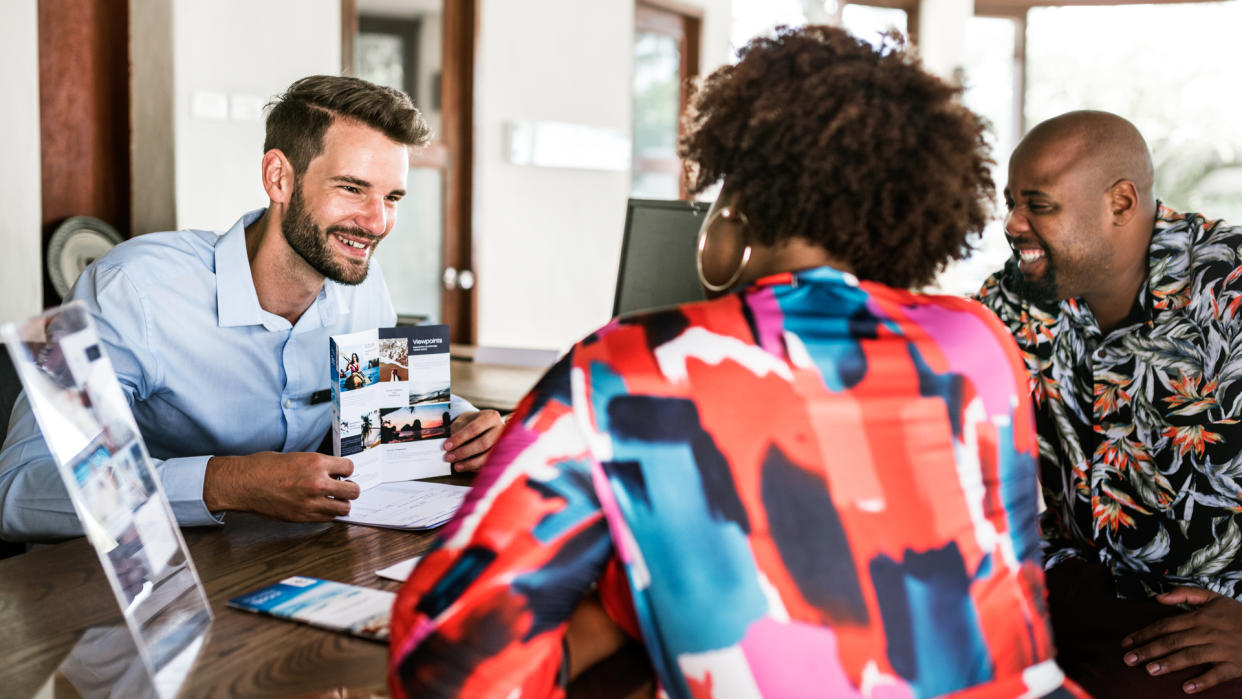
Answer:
x=1041 y=291
x=310 y=242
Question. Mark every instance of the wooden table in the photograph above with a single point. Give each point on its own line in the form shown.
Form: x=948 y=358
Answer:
x=495 y=386
x=50 y=596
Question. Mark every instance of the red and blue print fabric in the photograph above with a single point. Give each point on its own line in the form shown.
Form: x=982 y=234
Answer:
x=814 y=487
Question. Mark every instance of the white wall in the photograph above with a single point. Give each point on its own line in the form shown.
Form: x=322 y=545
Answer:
x=242 y=49
x=717 y=29
x=21 y=294
x=547 y=240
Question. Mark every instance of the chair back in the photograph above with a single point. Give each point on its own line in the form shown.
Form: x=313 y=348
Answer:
x=10 y=386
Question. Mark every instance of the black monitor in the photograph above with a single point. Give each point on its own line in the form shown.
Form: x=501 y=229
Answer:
x=657 y=255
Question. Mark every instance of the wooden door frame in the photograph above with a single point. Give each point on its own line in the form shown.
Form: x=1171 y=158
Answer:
x=84 y=116
x=460 y=28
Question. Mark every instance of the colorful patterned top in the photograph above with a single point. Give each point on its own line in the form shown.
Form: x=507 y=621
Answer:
x=1138 y=429
x=812 y=486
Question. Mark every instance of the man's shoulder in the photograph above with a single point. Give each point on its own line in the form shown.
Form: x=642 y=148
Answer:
x=1193 y=246
x=1180 y=232
x=152 y=253
x=1170 y=218
x=153 y=265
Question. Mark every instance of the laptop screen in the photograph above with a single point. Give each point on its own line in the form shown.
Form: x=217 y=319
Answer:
x=657 y=255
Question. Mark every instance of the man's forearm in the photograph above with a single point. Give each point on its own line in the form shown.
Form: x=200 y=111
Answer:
x=34 y=505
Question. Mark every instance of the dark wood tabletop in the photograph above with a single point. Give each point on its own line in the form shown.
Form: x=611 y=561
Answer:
x=50 y=596
x=495 y=386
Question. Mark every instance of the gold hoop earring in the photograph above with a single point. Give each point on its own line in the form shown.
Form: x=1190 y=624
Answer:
x=726 y=213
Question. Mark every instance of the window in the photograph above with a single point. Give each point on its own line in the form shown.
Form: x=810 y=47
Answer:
x=1184 y=100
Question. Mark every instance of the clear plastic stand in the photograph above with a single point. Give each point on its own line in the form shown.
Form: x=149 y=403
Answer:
x=90 y=431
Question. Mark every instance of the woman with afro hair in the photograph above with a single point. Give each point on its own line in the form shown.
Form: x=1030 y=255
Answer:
x=816 y=483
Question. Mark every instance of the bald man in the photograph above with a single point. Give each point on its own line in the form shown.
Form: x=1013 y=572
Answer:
x=1128 y=315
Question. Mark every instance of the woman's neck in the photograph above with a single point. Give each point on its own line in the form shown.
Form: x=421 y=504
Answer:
x=789 y=256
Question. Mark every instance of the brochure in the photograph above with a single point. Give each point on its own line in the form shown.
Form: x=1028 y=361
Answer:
x=390 y=402
x=410 y=505
x=359 y=611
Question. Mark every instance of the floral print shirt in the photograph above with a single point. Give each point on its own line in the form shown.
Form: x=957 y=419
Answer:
x=1139 y=427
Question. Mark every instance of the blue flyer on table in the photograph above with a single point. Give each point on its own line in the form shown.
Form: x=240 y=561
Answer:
x=359 y=611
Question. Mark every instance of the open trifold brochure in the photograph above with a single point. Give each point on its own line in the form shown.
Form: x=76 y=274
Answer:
x=390 y=417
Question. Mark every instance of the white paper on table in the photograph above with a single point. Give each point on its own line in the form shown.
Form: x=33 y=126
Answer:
x=368 y=468
x=399 y=571
x=406 y=505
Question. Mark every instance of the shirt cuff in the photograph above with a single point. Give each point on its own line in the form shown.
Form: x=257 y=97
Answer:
x=183 y=484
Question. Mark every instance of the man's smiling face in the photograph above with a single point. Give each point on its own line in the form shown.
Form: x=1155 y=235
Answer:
x=1056 y=222
x=345 y=202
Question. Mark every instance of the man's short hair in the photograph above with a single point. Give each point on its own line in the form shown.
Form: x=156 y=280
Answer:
x=298 y=119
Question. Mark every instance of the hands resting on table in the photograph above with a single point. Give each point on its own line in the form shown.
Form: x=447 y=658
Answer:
x=1209 y=634
x=307 y=487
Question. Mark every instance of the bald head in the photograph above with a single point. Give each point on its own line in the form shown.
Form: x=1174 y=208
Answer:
x=1081 y=211
x=1100 y=146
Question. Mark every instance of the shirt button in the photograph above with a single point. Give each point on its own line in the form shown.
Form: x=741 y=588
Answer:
x=288 y=403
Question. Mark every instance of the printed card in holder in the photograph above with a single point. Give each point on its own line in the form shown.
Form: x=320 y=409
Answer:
x=359 y=611
x=91 y=434
x=390 y=402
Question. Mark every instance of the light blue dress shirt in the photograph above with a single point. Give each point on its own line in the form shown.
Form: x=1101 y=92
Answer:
x=206 y=370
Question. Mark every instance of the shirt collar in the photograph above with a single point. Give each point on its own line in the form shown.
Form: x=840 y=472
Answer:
x=815 y=274
x=237 y=302
x=1152 y=296
x=1163 y=294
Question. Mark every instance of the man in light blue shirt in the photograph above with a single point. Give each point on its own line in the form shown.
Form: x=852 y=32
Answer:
x=221 y=341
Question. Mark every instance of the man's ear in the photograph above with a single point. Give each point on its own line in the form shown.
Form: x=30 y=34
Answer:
x=1123 y=202
x=278 y=176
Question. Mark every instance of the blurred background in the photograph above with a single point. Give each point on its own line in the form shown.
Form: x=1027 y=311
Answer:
x=548 y=115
